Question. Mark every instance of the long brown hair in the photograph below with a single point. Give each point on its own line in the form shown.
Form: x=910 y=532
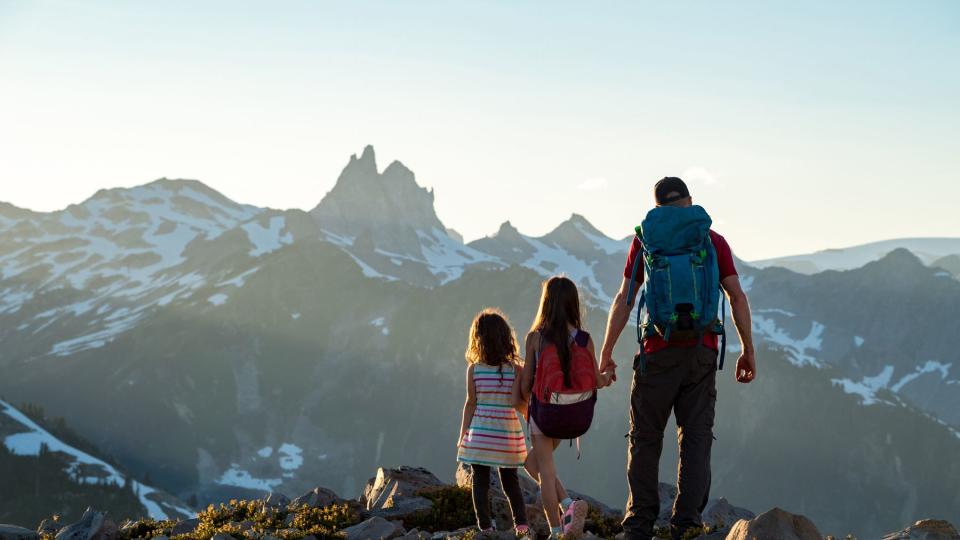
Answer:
x=492 y=341
x=559 y=308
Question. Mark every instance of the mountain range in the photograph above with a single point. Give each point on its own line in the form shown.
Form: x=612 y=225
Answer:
x=226 y=349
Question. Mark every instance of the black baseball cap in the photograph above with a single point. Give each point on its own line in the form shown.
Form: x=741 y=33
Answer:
x=670 y=189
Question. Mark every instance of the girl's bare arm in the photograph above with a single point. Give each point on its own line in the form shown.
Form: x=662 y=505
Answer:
x=469 y=406
x=526 y=376
x=518 y=402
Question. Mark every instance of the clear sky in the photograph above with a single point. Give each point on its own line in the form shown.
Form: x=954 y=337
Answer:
x=799 y=125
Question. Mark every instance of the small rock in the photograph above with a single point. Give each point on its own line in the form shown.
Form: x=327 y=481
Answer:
x=319 y=497
x=186 y=526
x=775 y=523
x=12 y=532
x=221 y=536
x=276 y=500
x=375 y=528
x=160 y=538
x=85 y=529
x=48 y=526
x=721 y=515
x=926 y=529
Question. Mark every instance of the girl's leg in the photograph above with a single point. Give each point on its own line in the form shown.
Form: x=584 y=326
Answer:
x=511 y=488
x=543 y=450
x=533 y=469
x=481 y=495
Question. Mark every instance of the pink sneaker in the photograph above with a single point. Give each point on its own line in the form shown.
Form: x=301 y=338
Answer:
x=573 y=519
x=522 y=530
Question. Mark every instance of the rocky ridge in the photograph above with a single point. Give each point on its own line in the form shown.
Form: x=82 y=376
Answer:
x=411 y=503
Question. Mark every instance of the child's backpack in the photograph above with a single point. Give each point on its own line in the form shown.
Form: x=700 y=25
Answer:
x=681 y=285
x=560 y=411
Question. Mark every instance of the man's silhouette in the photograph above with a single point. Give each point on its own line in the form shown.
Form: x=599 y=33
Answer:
x=677 y=375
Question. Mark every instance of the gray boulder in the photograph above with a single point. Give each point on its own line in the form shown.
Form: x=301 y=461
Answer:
x=186 y=526
x=276 y=500
x=12 y=532
x=719 y=514
x=375 y=528
x=926 y=529
x=319 y=497
x=92 y=525
x=775 y=524
x=392 y=493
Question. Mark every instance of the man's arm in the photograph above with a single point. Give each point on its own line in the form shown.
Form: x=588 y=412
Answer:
x=619 y=315
x=740 y=309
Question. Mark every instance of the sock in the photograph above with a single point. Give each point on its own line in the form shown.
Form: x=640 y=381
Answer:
x=565 y=504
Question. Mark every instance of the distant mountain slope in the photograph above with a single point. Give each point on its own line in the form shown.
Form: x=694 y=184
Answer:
x=886 y=325
x=927 y=249
x=226 y=349
x=950 y=263
x=65 y=479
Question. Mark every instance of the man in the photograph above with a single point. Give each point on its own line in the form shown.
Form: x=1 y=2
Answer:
x=677 y=375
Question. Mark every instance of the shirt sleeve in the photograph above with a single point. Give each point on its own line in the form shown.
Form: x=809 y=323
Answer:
x=631 y=259
x=724 y=256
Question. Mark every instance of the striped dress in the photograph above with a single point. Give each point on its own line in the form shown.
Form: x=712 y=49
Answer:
x=495 y=436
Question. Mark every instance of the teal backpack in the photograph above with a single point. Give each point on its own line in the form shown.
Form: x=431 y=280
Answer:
x=681 y=286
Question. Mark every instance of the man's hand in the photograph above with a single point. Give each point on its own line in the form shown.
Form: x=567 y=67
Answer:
x=746 y=367
x=607 y=364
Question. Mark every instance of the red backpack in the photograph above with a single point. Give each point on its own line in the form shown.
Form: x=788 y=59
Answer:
x=564 y=412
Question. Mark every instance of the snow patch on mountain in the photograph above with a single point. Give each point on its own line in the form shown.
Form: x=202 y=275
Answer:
x=603 y=243
x=29 y=443
x=549 y=260
x=446 y=257
x=798 y=350
x=218 y=299
x=931 y=366
x=267 y=239
x=240 y=279
x=291 y=456
x=95 y=340
x=867 y=387
x=858 y=341
x=235 y=476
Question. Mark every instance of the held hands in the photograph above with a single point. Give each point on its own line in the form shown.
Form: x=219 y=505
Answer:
x=746 y=366
x=607 y=366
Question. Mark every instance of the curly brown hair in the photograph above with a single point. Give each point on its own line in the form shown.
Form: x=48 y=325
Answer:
x=492 y=341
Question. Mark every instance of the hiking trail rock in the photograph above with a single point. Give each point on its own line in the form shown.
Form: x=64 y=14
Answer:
x=318 y=497
x=12 y=532
x=93 y=525
x=775 y=524
x=375 y=528
x=926 y=529
x=392 y=493
x=720 y=514
x=186 y=526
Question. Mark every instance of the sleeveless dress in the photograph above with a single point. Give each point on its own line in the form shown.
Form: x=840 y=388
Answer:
x=495 y=436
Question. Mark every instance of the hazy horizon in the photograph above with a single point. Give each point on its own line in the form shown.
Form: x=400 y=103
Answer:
x=799 y=127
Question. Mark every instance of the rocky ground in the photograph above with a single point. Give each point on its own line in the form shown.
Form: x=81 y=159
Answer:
x=410 y=503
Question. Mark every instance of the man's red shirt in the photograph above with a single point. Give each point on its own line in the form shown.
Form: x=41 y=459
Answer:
x=724 y=263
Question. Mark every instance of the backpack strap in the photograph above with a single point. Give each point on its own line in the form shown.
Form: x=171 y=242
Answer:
x=633 y=273
x=723 y=327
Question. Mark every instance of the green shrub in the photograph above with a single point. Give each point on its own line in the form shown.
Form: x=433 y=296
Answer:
x=452 y=509
x=601 y=524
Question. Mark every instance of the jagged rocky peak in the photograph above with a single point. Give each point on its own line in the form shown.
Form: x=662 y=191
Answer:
x=390 y=203
x=507 y=230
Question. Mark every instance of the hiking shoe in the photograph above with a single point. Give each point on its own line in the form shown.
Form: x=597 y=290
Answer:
x=522 y=531
x=574 y=519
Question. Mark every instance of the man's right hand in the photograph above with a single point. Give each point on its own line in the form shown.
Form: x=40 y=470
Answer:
x=746 y=367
